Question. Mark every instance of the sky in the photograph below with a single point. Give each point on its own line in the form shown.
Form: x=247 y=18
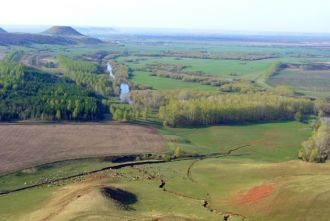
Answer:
x=222 y=15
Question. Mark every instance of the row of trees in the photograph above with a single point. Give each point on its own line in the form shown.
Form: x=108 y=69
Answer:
x=33 y=95
x=317 y=147
x=217 y=109
x=84 y=74
x=193 y=107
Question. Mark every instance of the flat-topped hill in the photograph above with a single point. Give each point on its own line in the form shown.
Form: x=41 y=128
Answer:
x=62 y=30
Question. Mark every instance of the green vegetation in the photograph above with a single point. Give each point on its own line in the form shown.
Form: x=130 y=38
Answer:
x=77 y=65
x=122 y=112
x=52 y=171
x=14 y=56
x=160 y=83
x=30 y=94
x=237 y=116
x=83 y=73
x=220 y=68
x=13 y=206
x=216 y=109
x=317 y=147
x=269 y=141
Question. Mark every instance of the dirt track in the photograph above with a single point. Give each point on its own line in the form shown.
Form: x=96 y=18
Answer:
x=23 y=146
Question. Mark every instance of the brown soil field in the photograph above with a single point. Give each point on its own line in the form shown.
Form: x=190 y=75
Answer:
x=28 y=145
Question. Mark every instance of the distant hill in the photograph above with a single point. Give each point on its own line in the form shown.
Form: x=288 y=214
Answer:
x=59 y=35
x=62 y=31
x=2 y=30
x=23 y=39
x=71 y=33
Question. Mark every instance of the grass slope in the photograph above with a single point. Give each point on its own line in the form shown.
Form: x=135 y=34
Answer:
x=269 y=141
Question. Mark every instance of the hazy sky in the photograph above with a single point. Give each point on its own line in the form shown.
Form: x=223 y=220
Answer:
x=225 y=15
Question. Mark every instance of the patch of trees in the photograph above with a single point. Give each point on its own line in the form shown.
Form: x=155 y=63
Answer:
x=29 y=94
x=317 y=147
x=147 y=101
x=122 y=112
x=232 y=108
x=239 y=87
x=84 y=74
x=322 y=106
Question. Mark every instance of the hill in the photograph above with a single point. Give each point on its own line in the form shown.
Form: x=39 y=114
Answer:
x=70 y=33
x=62 y=31
x=2 y=30
x=59 y=35
x=28 y=39
x=23 y=39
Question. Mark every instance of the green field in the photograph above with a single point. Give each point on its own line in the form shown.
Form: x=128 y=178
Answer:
x=268 y=142
x=160 y=83
x=219 y=68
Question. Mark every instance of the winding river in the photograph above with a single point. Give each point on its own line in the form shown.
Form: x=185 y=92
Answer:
x=124 y=88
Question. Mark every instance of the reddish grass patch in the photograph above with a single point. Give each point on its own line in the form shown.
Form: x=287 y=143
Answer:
x=256 y=193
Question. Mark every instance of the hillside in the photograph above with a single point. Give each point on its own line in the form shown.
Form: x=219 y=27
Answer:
x=62 y=31
x=58 y=35
x=28 y=39
x=2 y=30
x=70 y=33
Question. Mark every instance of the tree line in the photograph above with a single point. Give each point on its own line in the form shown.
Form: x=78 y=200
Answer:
x=189 y=107
x=232 y=108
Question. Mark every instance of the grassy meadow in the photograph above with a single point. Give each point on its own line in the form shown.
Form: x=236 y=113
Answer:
x=267 y=142
x=160 y=83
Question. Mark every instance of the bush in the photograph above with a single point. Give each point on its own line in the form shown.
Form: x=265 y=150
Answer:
x=177 y=152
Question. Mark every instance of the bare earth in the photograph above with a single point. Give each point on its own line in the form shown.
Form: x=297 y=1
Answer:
x=24 y=146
